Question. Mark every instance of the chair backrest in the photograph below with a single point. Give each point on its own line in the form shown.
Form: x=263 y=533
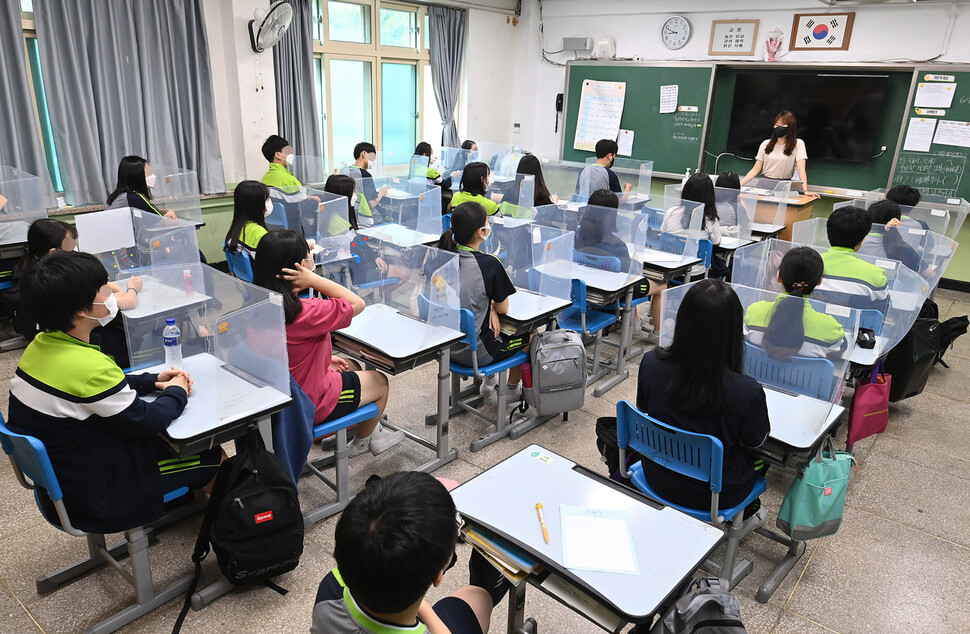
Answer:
x=809 y=376
x=697 y=456
x=278 y=216
x=239 y=264
x=603 y=262
x=868 y=318
x=705 y=251
x=445 y=222
x=577 y=293
x=30 y=456
x=672 y=243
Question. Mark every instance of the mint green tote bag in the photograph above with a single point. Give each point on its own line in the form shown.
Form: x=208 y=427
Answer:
x=814 y=503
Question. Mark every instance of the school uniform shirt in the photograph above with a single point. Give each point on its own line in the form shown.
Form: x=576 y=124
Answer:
x=742 y=423
x=891 y=244
x=593 y=178
x=367 y=184
x=310 y=351
x=437 y=178
x=848 y=280
x=135 y=201
x=823 y=333
x=281 y=178
x=491 y=207
x=249 y=238
x=673 y=222
x=614 y=181
x=777 y=164
x=337 y=612
x=482 y=279
x=100 y=436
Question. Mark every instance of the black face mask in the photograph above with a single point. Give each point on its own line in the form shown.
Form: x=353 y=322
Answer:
x=781 y=130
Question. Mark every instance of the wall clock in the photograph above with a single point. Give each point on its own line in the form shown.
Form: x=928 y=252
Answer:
x=675 y=32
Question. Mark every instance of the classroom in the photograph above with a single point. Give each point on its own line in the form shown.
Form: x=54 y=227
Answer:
x=365 y=316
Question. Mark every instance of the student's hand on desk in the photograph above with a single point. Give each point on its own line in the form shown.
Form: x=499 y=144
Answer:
x=455 y=174
x=339 y=365
x=136 y=283
x=893 y=223
x=300 y=276
x=813 y=195
x=383 y=192
x=627 y=188
x=316 y=198
x=170 y=214
x=174 y=376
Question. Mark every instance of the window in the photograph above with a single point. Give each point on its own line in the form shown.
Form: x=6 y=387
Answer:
x=36 y=78
x=372 y=80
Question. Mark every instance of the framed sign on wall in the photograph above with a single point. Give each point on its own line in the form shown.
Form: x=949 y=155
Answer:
x=733 y=37
x=821 y=31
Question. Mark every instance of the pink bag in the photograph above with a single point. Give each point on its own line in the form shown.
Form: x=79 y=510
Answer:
x=869 y=411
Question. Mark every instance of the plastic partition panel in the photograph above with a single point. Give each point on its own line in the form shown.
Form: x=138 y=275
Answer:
x=177 y=189
x=517 y=196
x=608 y=239
x=418 y=167
x=452 y=163
x=25 y=203
x=762 y=209
x=173 y=247
x=502 y=158
x=326 y=218
x=899 y=301
x=562 y=177
x=811 y=232
x=310 y=170
x=634 y=172
x=553 y=253
x=441 y=280
x=109 y=235
x=769 y=187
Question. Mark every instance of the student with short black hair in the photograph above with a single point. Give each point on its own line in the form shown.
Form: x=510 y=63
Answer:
x=885 y=239
x=394 y=541
x=599 y=174
x=250 y=207
x=698 y=384
x=848 y=279
x=475 y=188
x=434 y=176
x=364 y=155
x=281 y=157
x=335 y=387
x=100 y=434
x=789 y=326
x=136 y=178
x=485 y=288
x=906 y=195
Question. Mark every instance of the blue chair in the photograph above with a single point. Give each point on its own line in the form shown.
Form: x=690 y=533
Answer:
x=697 y=456
x=34 y=471
x=602 y=262
x=809 y=376
x=240 y=264
x=277 y=218
x=445 y=222
x=868 y=318
x=581 y=318
x=340 y=460
x=463 y=401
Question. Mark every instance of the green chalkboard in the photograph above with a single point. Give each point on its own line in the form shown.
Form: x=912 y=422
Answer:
x=672 y=141
x=939 y=171
x=821 y=173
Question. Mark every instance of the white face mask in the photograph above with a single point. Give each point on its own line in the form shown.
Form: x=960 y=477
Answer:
x=112 y=305
x=269 y=207
x=371 y=158
x=150 y=180
x=486 y=231
x=290 y=158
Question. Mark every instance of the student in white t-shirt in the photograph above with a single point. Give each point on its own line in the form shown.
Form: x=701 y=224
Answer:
x=783 y=154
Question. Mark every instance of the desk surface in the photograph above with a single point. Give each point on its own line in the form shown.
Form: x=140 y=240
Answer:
x=606 y=281
x=219 y=398
x=732 y=244
x=669 y=545
x=766 y=228
x=13 y=231
x=156 y=298
x=798 y=420
x=869 y=356
x=399 y=234
x=526 y=305
x=657 y=259
x=397 y=335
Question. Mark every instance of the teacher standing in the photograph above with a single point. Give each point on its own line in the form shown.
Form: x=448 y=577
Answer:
x=783 y=154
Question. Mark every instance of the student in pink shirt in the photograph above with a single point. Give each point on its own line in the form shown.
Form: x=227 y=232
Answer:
x=336 y=386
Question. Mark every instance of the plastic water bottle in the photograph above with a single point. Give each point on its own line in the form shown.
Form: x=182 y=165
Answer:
x=172 y=341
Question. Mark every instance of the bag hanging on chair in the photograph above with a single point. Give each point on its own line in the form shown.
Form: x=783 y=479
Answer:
x=814 y=503
x=869 y=411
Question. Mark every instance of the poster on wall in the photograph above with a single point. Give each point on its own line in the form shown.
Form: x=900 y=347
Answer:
x=600 y=111
x=821 y=31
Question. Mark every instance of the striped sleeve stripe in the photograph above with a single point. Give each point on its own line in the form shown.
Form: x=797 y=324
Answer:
x=50 y=403
x=53 y=391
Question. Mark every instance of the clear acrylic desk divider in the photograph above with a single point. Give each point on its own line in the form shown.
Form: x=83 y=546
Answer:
x=27 y=201
x=109 y=235
x=177 y=189
x=324 y=219
x=519 y=197
x=955 y=209
x=732 y=222
x=168 y=245
x=552 y=251
x=764 y=210
x=310 y=170
x=605 y=242
x=418 y=167
x=562 y=178
x=452 y=163
x=428 y=219
x=635 y=172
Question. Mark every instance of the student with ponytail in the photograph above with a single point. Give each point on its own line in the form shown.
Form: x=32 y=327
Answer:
x=485 y=289
x=789 y=326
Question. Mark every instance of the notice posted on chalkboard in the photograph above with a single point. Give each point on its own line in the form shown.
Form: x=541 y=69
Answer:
x=938 y=173
x=600 y=111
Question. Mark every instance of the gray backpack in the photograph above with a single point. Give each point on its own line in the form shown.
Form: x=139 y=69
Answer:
x=706 y=608
x=558 y=359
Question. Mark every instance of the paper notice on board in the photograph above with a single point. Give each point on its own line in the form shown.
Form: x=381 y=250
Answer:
x=600 y=111
x=919 y=135
x=953 y=133
x=668 y=98
x=934 y=95
x=625 y=143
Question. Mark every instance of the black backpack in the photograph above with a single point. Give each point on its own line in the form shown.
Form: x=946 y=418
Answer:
x=949 y=331
x=253 y=521
x=610 y=450
x=706 y=608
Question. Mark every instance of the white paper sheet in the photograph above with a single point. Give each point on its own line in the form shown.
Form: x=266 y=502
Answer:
x=106 y=230
x=668 y=98
x=919 y=135
x=953 y=133
x=625 y=143
x=600 y=111
x=599 y=540
x=935 y=95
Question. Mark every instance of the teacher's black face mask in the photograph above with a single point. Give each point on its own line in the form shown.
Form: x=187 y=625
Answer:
x=781 y=130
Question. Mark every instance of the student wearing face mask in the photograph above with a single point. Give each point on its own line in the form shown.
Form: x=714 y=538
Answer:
x=100 y=434
x=600 y=175
x=783 y=154
x=250 y=206
x=365 y=154
x=280 y=155
x=136 y=178
x=475 y=188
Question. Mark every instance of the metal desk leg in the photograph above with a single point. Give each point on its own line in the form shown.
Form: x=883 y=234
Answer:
x=445 y=453
x=795 y=551
x=517 y=608
x=625 y=338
